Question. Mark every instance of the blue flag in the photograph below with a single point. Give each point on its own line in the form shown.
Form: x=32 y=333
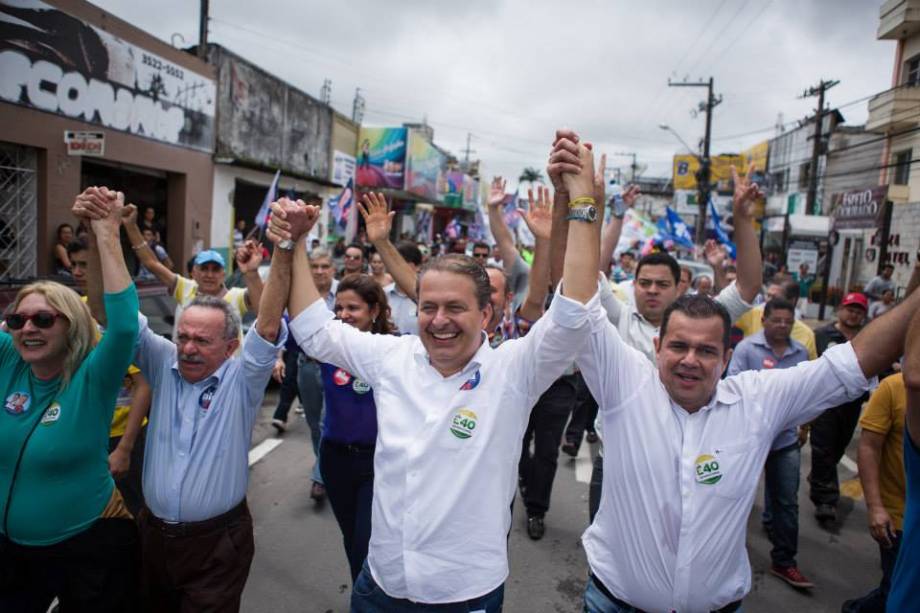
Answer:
x=680 y=233
x=270 y=195
x=721 y=235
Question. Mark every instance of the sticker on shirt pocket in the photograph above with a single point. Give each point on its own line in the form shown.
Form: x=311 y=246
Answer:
x=204 y=401
x=463 y=424
x=52 y=414
x=708 y=470
x=360 y=387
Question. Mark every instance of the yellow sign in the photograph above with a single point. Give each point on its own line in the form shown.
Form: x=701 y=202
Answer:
x=720 y=173
x=758 y=155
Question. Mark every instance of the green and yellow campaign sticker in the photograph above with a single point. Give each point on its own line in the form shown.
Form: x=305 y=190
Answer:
x=463 y=424
x=708 y=471
x=52 y=414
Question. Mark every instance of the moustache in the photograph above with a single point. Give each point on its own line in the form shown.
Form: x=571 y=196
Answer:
x=190 y=359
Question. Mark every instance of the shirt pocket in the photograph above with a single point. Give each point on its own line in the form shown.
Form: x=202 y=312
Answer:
x=727 y=469
x=464 y=429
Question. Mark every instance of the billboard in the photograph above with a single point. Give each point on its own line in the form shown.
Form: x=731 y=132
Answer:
x=343 y=167
x=424 y=168
x=381 y=157
x=54 y=62
x=686 y=166
x=859 y=208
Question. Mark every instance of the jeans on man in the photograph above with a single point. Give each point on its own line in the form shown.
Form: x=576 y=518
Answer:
x=830 y=434
x=368 y=597
x=781 y=503
x=289 y=386
x=547 y=421
x=310 y=384
x=875 y=601
x=583 y=415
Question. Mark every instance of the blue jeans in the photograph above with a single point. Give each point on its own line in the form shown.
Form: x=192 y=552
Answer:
x=596 y=601
x=310 y=384
x=781 y=504
x=367 y=597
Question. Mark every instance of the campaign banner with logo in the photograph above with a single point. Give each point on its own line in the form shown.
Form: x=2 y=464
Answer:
x=858 y=208
x=720 y=171
x=424 y=168
x=343 y=167
x=381 y=157
x=54 y=62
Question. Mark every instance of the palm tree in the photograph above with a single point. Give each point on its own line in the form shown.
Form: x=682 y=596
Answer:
x=531 y=175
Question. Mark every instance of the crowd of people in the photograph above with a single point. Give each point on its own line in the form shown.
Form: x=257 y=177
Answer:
x=437 y=387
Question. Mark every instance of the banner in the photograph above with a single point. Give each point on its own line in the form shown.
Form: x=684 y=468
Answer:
x=686 y=166
x=381 y=157
x=424 y=168
x=54 y=62
x=858 y=208
x=343 y=167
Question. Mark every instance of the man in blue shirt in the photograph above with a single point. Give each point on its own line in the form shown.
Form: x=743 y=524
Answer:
x=196 y=530
x=773 y=347
x=906 y=578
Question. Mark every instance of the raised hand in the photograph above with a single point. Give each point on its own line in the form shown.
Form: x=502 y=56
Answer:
x=575 y=162
x=129 y=215
x=746 y=194
x=92 y=203
x=630 y=195
x=558 y=165
x=249 y=256
x=116 y=204
x=714 y=253
x=497 y=192
x=600 y=185
x=291 y=220
x=378 y=219
x=539 y=215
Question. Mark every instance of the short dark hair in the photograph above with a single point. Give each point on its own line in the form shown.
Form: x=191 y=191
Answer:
x=460 y=264
x=778 y=304
x=790 y=287
x=410 y=252
x=888 y=265
x=481 y=245
x=356 y=246
x=78 y=244
x=698 y=306
x=504 y=276
x=660 y=259
x=731 y=268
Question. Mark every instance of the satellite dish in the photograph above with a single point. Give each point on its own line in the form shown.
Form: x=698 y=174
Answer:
x=641 y=168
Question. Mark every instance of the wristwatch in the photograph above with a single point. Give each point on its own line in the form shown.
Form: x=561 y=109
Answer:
x=585 y=213
x=287 y=244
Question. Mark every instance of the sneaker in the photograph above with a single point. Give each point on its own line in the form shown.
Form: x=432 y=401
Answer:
x=792 y=576
x=826 y=513
x=535 y=527
x=279 y=425
x=570 y=449
x=318 y=492
x=591 y=437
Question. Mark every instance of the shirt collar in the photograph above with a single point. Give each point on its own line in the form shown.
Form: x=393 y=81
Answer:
x=421 y=355
x=759 y=338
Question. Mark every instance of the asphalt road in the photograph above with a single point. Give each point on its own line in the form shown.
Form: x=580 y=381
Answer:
x=300 y=566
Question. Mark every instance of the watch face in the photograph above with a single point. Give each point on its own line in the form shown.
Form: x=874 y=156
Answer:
x=591 y=213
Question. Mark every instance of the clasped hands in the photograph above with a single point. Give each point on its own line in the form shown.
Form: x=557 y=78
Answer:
x=291 y=220
x=97 y=204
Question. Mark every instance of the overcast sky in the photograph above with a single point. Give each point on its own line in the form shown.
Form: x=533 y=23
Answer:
x=511 y=71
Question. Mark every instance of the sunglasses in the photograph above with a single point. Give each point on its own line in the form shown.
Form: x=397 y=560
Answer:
x=41 y=319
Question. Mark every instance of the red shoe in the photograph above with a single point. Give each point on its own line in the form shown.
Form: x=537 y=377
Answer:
x=792 y=576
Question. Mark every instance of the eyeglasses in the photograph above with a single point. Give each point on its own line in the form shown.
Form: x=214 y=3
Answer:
x=481 y=256
x=41 y=319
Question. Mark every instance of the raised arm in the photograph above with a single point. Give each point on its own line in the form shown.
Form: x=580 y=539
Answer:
x=378 y=220
x=248 y=260
x=749 y=262
x=611 y=234
x=143 y=251
x=882 y=341
x=284 y=223
x=539 y=219
x=914 y=281
x=497 y=225
x=715 y=257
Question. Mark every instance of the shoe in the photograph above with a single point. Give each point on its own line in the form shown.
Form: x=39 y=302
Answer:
x=591 y=437
x=535 y=527
x=570 y=449
x=826 y=513
x=318 y=492
x=279 y=425
x=299 y=410
x=792 y=576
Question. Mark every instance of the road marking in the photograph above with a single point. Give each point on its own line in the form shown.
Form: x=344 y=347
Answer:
x=583 y=463
x=849 y=464
x=263 y=449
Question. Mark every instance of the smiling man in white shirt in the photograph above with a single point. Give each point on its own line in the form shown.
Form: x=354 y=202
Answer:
x=451 y=414
x=685 y=449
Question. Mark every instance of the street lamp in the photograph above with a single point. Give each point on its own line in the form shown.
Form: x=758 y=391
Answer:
x=702 y=183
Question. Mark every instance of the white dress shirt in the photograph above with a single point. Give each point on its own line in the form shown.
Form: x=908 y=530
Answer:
x=447 y=448
x=679 y=487
x=403 y=310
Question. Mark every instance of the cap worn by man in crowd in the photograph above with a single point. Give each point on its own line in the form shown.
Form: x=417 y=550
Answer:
x=855 y=298
x=209 y=255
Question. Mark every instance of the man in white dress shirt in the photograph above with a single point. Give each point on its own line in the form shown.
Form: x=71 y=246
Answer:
x=451 y=414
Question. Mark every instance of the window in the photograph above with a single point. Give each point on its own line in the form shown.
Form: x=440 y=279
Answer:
x=912 y=72
x=778 y=184
x=804 y=175
x=902 y=167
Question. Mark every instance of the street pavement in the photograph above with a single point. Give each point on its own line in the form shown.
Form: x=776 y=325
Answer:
x=300 y=566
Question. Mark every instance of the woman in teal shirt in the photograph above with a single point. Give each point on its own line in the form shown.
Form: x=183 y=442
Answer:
x=64 y=531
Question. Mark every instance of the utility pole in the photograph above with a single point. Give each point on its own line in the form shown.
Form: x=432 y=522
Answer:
x=467 y=151
x=325 y=94
x=812 y=196
x=203 y=30
x=703 y=176
x=633 y=166
x=357 y=108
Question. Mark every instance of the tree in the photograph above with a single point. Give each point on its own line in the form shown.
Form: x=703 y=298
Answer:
x=531 y=175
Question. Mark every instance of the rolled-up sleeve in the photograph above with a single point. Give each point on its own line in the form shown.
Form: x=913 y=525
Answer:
x=731 y=299
x=258 y=357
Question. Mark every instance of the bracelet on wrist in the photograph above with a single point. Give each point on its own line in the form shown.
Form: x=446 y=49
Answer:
x=581 y=202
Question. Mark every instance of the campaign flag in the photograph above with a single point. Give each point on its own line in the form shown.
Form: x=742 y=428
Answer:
x=679 y=231
x=721 y=234
x=477 y=231
x=270 y=195
x=423 y=226
x=453 y=228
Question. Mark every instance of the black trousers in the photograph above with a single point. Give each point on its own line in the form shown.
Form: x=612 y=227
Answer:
x=830 y=435
x=547 y=422
x=348 y=474
x=289 y=390
x=583 y=415
x=95 y=571
x=131 y=485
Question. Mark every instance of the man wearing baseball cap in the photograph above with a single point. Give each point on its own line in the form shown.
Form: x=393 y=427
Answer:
x=208 y=273
x=832 y=430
